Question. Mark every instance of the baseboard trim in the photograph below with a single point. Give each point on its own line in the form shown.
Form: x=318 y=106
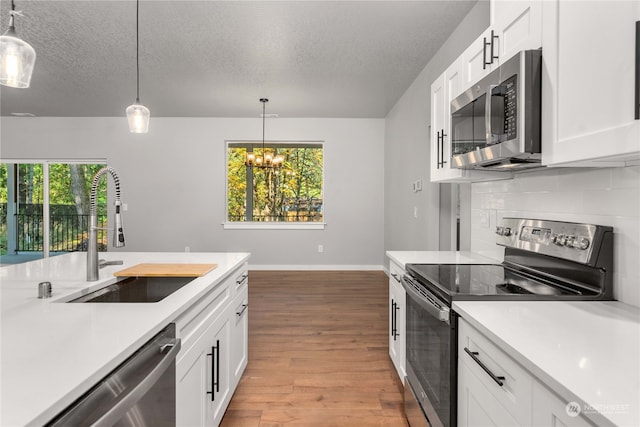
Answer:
x=339 y=267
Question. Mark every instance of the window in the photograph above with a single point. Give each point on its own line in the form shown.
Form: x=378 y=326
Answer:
x=44 y=209
x=288 y=196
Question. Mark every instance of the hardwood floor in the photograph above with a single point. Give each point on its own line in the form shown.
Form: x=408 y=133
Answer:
x=318 y=352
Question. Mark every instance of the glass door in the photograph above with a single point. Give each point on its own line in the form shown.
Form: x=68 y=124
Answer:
x=44 y=209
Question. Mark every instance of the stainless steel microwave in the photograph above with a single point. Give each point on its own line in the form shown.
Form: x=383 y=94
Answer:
x=496 y=123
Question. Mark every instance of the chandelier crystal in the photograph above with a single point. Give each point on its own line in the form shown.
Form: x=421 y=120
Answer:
x=266 y=159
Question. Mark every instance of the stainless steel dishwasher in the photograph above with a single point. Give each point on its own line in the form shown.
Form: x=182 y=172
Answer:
x=139 y=392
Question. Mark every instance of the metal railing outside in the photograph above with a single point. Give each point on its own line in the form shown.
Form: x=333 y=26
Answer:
x=68 y=232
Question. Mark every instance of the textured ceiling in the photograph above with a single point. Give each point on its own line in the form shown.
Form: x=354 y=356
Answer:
x=217 y=58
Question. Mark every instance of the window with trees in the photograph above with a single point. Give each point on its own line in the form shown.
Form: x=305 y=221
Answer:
x=44 y=208
x=289 y=194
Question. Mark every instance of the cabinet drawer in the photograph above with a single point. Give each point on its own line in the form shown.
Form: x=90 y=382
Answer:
x=191 y=324
x=241 y=279
x=395 y=273
x=492 y=366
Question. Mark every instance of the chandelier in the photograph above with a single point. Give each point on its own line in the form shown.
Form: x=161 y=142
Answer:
x=138 y=114
x=17 y=57
x=267 y=159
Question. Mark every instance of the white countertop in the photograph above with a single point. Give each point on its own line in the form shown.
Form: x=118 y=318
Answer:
x=587 y=352
x=439 y=257
x=52 y=352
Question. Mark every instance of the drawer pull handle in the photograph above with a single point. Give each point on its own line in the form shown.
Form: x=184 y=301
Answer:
x=241 y=312
x=474 y=356
x=242 y=279
x=395 y=276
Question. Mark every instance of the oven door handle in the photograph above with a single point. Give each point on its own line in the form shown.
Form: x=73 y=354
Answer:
x=428 y=302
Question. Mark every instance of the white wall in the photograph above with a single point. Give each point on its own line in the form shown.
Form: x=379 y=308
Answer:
x=173 y=180
x=407 y=142
x=608 y=196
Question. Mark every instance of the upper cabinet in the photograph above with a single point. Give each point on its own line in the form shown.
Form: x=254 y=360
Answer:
x=515 y=26
x=590 y=52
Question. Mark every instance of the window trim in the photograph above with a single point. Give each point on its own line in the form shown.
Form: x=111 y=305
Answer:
x=264 y=225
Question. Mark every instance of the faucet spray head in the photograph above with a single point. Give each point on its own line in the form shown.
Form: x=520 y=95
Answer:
x=118 y=231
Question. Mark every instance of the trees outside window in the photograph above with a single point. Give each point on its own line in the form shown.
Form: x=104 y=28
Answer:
x=292 y=193
x=44 y=207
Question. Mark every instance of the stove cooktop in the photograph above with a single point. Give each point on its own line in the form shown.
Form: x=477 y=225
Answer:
x=472 y=281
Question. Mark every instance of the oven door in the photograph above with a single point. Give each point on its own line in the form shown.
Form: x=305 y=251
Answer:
x=431 y=357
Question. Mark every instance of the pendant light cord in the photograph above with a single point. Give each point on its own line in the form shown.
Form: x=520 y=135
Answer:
x=137 y=52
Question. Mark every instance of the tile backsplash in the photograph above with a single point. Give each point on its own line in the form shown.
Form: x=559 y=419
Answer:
x=604 y=196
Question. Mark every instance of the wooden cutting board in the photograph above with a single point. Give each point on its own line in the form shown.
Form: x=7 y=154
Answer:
x=166 y=270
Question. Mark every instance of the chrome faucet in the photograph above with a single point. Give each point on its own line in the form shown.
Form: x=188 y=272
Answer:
x=118 y=232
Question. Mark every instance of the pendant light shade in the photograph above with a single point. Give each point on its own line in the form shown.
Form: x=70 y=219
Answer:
x=138 y=117
x=137 y=114
x=17 y=57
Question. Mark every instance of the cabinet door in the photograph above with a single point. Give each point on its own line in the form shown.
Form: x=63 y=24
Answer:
x=476 y=59
x=397 y=327
x=219 y=388
x=191 y=385
x=239 y=336
x=589 y=82
x=517 y=26
x=550 y=410
x=476 y=406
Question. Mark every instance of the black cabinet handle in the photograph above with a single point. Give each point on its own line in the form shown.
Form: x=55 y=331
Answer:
x=215 y=370
x=474 y=355
x=637 y=116
x=484 y=53
x=395 y=276
x=393 y=319
x=241 y=312
x=442 y=135
x=242 y=279
x=493 y=37
x=438 y=150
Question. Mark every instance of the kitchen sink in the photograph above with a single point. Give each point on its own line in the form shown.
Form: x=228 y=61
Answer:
x=137 y=289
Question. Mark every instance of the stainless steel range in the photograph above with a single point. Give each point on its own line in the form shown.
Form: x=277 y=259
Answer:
x=543 y=260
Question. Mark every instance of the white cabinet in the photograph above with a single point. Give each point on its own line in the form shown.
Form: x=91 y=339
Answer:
x=589 y=82
x=397 y=314
x=550 y=410
x=214 y=334
x=495 y=390
x=239 y=335
x=202 y=377
x=476 y=405
x=494 y=379
x=515 y=26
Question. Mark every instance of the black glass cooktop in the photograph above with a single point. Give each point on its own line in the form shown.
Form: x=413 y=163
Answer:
x=471 y=281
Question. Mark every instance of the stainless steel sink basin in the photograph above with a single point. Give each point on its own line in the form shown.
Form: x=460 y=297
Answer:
x=137 y=289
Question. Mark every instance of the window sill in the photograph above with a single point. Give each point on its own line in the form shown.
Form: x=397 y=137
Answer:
x=273 y=225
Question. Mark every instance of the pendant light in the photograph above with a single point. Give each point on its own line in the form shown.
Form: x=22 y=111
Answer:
x=17 y=57
x=138 y=114
x=266 y=160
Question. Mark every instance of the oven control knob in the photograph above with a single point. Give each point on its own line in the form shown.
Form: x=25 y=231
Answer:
x=506 y=231
x=559 y=239
x=581 y=243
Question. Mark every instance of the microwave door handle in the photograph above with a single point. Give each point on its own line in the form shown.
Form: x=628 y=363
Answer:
x=487 y=115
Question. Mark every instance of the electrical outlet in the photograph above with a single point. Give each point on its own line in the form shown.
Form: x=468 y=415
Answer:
x=320 y=248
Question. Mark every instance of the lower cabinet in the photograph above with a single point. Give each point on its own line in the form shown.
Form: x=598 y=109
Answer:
x=495 y=390
x=397 y=327
x=239 y=336
x=214 y=353
x=202 y=377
